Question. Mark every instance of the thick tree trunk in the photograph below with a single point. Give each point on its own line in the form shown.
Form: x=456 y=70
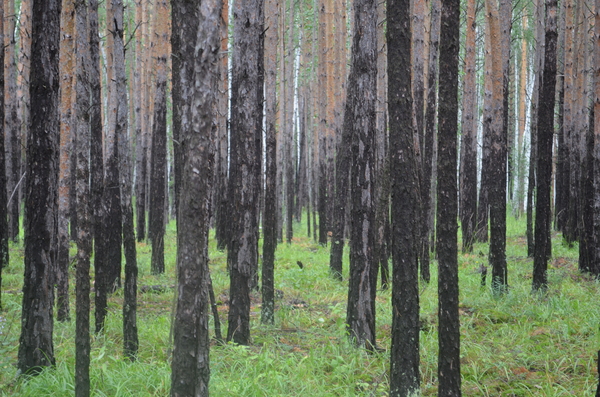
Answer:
x=83 y=200
x=246 y=104
x=190 y=373
x=36 y=349
x=359 y=123
x=544 y=158
x=404 y=371
x=447 y=211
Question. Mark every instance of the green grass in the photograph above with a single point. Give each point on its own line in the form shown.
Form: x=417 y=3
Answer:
x=516 y=345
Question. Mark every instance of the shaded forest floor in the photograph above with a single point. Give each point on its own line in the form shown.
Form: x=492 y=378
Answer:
x=517 y=345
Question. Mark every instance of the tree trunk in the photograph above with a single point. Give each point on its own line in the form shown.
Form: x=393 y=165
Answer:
x=141 y=50
x=4 y=235
x=544 y=157
x=223 y=221
x=66 y=71
x=288 y=126
x=447 y=211
x=359 y=123
x=429 y=151
x=596 y=110
x=96 y=156
x=190 y=373
x=468 y=153
x=342 y=176
x=23 y=78
x=246 y=101
x=36 y=348
x=404 y=372
x=158 y=167
x=82 y=191
x=497 y=171
x=108 y=270
x=130 y=336
x=270 y=217
x=11 y=121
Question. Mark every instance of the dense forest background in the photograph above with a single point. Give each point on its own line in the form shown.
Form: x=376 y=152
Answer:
x=394 y=127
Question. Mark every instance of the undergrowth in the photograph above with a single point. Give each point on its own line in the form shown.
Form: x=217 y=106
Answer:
x=516 y=345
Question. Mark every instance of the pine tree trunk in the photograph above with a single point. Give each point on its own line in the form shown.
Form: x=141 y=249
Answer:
x=158 y=168
x=11 y=121
x=359 y=124
x=190 y=373
x=497 y=171
x=36 y=349
x=4 y=235
x=544 y=158
x=468 y=153
x=596 y=123
x=66 y=71
x=130 y=336
x=220 y=184
x=404 y=372
x=82 y=188
x=447 y=211
x=270 y=217
x=246 y=101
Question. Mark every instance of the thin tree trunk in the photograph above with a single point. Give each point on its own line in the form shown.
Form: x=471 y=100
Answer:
x=223 y=221
x=270 y=217
x=596 y=123
x=11 y=121
x=66 y=64
x=4 y=235
x=468 y=153
x=544 y=157
x=158 y=160
x=83 y=200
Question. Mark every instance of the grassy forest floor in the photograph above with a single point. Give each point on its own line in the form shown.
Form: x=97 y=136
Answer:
x=517 y=345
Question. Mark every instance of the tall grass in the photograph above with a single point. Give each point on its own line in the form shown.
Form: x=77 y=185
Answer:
x=516 y=345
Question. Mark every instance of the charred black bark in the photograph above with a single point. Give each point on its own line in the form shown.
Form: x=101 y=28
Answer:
x=4 y=235
x=36 y=349
x=447 y=210
x=342 y=176
x=586 y=229
x=190 y=372
x=158 y=174
x=246 y=105
x=83 y=200
x=544 y=152
x=359 y=123
x=404 y=372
